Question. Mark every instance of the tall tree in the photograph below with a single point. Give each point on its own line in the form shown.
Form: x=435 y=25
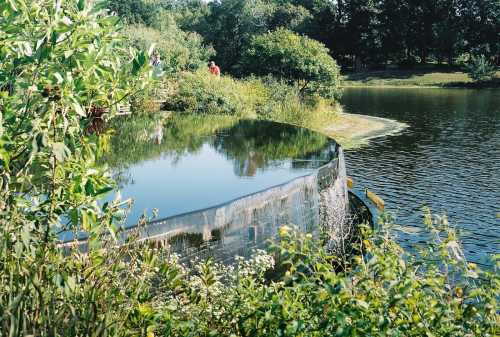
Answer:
x=231 y=24
x=364 y=42
x=394 y=29
x=448 y=30
x=482 y=26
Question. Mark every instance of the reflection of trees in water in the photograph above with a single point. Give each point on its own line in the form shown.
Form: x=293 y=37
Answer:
x=250 y=145
x=141 y=138
x=122 y=178
x=253 y=145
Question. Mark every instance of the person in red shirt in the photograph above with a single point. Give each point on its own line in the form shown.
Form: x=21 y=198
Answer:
x=214 y=69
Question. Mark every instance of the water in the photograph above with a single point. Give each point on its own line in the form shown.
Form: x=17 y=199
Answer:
x=448 y=159
x=222 y=187
x=174 y=176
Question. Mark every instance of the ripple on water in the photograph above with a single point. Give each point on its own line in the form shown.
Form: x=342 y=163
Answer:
x=448 y=159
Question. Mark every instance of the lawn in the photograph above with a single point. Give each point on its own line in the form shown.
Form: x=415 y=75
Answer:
x=426 y=77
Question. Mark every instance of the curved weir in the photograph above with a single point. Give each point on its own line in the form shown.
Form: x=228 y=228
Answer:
x=242 y=181
x=244 y=224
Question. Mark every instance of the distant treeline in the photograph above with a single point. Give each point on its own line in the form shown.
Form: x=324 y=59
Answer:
x=358 y=32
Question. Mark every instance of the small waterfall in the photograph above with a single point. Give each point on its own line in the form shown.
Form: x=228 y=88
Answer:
x=313 y=203
x=334 y=210
x=239 y=226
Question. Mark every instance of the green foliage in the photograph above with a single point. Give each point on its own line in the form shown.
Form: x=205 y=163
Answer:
x=141 y=291
x=63 y=70
x=294 y=58
x=179 y=51
x=229 y=26
x=202 y=93
x=359 y=33
x=133 y=11
x=290 y=16
x=480 y=69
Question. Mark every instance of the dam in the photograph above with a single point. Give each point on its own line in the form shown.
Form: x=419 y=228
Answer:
x=222 y=188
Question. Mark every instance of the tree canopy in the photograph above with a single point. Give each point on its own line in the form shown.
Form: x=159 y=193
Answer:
x=372 y=32
x=295 y=58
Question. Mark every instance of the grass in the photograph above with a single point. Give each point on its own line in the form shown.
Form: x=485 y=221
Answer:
x=349 y=130
x=202 y=94
x=419 y=77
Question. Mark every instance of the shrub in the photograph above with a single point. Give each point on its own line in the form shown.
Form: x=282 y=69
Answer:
x=298 y=59
x=179 y=50
x=253 y=97
x=297 y=289
x=480 y=69
x=204 y=93
x=63 y=70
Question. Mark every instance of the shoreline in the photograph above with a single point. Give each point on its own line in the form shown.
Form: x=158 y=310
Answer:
x=355 y=130
x=351 y=131
x=405 y=86
x=418 y=78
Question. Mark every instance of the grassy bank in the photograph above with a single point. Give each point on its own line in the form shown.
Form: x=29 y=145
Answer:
x=419 y=77
x=202 y=94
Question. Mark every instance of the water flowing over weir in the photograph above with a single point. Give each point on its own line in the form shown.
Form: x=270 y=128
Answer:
x=226 y=192
x=239 y=226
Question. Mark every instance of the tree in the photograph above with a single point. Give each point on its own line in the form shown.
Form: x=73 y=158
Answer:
x=133 y=11
x=448 y=31
x=179 y=50
x=290 y=16
x=482 y=27
x=293 y=58
x=394 y=28
x=231 y=24
x=480 y=69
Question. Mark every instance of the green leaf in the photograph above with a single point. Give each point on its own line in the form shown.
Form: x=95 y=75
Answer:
x=12 y=5
x=103 y=190
x=5 y=157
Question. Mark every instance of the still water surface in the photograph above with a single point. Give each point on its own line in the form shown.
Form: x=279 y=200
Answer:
x=448 y=159
x=179 y=165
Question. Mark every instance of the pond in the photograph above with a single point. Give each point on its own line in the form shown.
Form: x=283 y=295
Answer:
x=448 y=159
x=189 y=168
x=224 y=184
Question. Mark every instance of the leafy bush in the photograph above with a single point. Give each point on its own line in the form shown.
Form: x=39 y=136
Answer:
x=204 y=93
x=298 y=59
x=179 y=50
x=294 y=290
x=263 y=97
x=480 y=69
x=63 y=70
